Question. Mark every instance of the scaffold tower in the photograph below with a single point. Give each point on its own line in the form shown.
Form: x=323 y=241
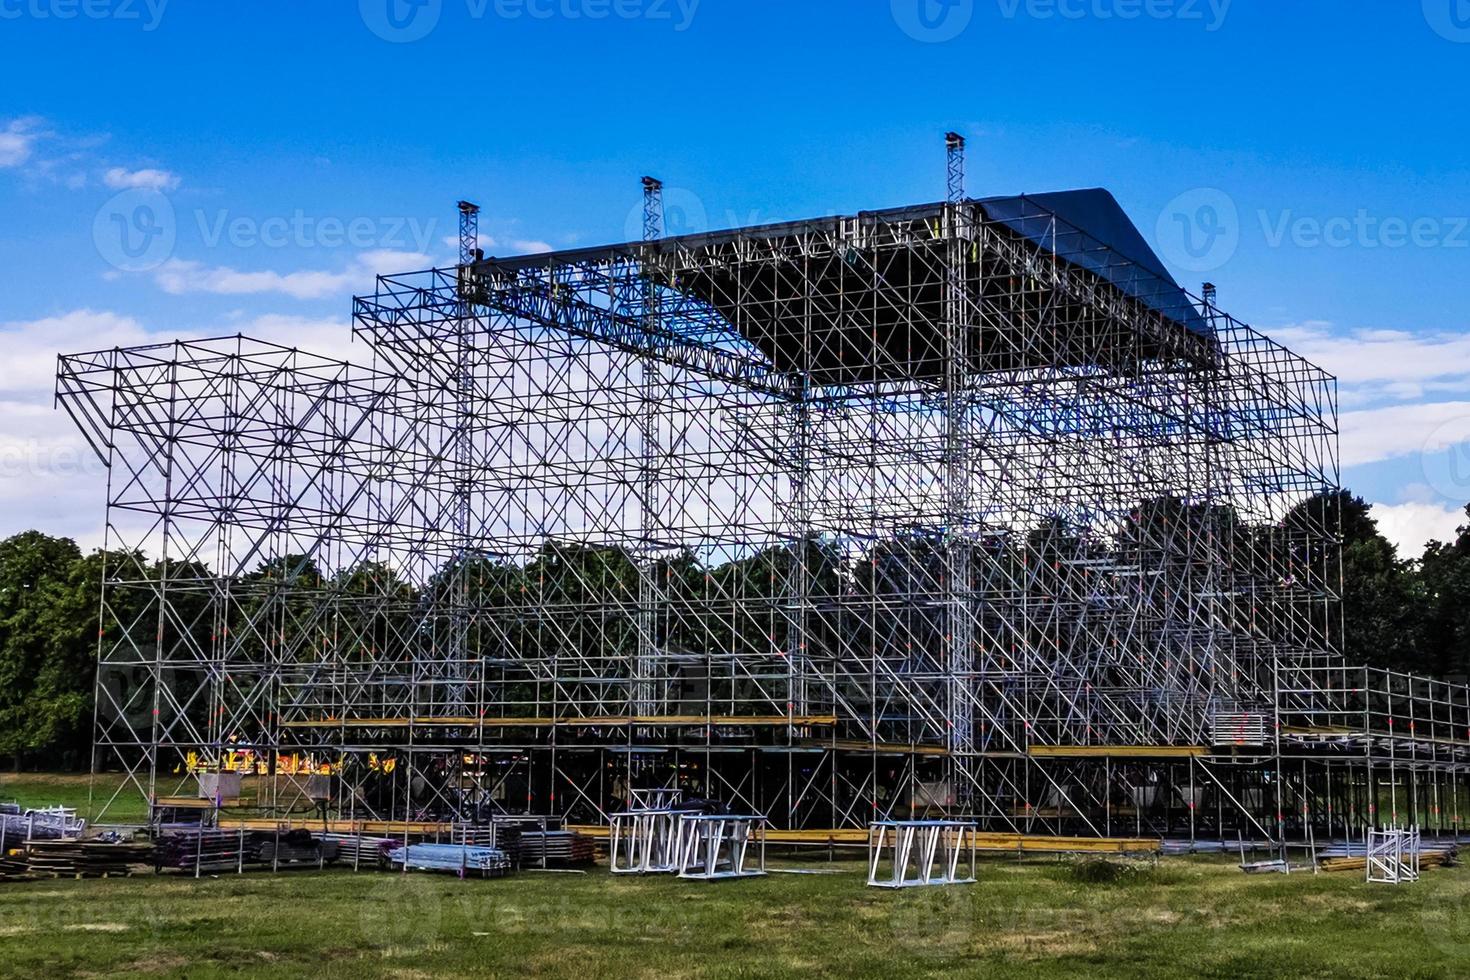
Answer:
x=961 y=510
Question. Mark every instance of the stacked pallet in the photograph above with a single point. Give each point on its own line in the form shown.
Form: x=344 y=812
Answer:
x=200 y=850
x=84 y=859
x=360 y=851
x=478 y=836
x=556 y=848
x=461 y=859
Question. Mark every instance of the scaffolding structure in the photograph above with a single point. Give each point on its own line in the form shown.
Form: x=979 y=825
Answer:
x=963 y=510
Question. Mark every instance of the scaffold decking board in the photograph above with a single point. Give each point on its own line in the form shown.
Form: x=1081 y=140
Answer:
x=1037 y=843
x=193 y=802
x=670 y=721
x=1405 y=736
x=1118 y=751
x=881 y=748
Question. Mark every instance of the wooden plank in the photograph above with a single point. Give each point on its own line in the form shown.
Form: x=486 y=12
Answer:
x=1117 y=751
x=192 y=802
x=601 y=721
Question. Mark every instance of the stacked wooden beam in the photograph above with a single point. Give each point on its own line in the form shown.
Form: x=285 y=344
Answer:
x=13 y=865
x=84 y=859
x=1353 y=858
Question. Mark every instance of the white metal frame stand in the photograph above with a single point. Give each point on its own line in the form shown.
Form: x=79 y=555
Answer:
x=713 y=847
x=933 y=849
x=1393 y=855
x=643 y=842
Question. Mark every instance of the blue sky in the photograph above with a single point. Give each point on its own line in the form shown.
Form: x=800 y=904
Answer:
x=1309 y=157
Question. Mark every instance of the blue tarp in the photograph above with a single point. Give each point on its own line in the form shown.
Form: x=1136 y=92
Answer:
x=1089 y=229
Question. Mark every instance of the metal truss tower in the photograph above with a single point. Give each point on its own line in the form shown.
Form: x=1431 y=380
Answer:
x=960 y=508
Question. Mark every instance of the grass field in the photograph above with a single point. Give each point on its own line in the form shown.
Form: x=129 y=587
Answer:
x=71 y=789
x=1184 y=917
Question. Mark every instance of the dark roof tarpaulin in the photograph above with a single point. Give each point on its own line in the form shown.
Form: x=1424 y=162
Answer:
x=1089 y=229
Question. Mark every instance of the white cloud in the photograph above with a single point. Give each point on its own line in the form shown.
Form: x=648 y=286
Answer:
x=515 y=246
x=1390 y=386
x=1375 y=434
x=120 y=179
x=50 y=478
x=38 y=152
x=1391 y=364
x=31 y=346
x=18 y=140
x=1410 y=526
x=179 y=276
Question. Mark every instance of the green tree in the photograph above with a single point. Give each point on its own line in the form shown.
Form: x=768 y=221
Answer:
x=1444 y=592
x=48 y=628
x=1381 y=607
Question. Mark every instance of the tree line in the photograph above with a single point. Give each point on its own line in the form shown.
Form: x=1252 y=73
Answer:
x=1404 y=613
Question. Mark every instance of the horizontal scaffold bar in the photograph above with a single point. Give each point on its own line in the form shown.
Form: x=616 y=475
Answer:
x=1037 y=843
x=376 y=827
x=1117 y=751
x=599 y=721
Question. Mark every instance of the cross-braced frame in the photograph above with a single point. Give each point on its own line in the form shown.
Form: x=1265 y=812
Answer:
x=945 y=510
